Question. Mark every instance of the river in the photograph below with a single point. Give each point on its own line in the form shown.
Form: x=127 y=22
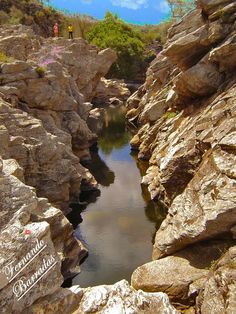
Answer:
x=119 y=223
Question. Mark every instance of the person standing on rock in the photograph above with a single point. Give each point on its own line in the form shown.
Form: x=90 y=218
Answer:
x=56 y=30
x=70 y=31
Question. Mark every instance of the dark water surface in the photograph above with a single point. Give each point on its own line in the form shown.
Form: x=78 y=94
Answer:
x=119 y=224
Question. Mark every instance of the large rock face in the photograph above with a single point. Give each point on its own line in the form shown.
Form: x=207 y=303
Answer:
x=84 y=62
x=47 y=84
x=49 y=165
x=18 y=41
x=182 y=275
x=171 y=274
x=27 y=220
x=220 y=289
x=185 y=113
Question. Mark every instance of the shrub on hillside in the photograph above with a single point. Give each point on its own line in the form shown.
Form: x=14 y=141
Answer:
x=40 y=71
x=32 y=13
x=16 y=16
x=4 y=58
x=114 y=33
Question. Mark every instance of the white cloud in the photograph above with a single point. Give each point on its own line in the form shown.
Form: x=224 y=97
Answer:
x=163 y=7
x=130 y=4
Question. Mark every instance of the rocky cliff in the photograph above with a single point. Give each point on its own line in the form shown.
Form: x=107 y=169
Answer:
x=43 y=91
x=185 y=114
x=46 y=125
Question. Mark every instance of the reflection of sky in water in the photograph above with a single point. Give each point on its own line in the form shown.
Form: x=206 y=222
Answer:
x=115 y=229
x=122 y=154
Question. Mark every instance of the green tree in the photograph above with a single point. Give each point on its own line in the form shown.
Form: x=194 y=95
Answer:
x=116 y=34
x=180 y=7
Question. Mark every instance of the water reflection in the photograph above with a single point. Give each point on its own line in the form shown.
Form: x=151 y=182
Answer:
x=154 y=211
x=119 y=226
x=113 y=135
x=99 y=169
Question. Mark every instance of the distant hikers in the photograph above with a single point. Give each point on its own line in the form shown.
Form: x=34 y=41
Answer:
x=56 y=30
x=70 y=31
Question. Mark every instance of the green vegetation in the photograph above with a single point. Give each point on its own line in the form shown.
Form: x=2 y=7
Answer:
x=212 y=264
x=114 y=33
x=32 y=13
x=169 y=115
x=136 y=46
x=4 y=58
x=154 y=33
x=180 y=7
x=40 y=71
x=113 y=135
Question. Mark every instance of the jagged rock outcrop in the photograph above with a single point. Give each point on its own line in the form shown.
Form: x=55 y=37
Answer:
x=17 y=41
x=48 y=164
x=218 y=296
x=84 y=62
x=109 y=91
x=45 y=80
x=117 y=298
x=55 y=86
x=122 y=298
x=182 y=275
x=32 y=234
x=185 y=114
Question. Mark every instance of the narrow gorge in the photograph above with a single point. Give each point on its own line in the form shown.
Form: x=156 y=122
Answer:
x=113 y=202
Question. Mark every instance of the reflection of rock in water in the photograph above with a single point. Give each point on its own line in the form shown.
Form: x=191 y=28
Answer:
x=154 y=211
x=86 y=197
x=99 y=169
x=74 y=216
x=141 y=164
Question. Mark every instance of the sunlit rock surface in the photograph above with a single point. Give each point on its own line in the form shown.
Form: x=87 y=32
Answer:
x=118 y=298
x=185 y=114
x=218 y=295
x=121 y=298
x=25 y=221
x=108 y=90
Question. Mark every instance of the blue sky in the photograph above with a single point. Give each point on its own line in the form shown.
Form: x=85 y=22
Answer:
x=133 y=11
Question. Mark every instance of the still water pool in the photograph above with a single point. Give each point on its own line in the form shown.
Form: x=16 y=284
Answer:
x=119 y=224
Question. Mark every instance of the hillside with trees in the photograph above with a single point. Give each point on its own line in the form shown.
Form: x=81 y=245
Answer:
x=136 y=45
x=31 y=13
